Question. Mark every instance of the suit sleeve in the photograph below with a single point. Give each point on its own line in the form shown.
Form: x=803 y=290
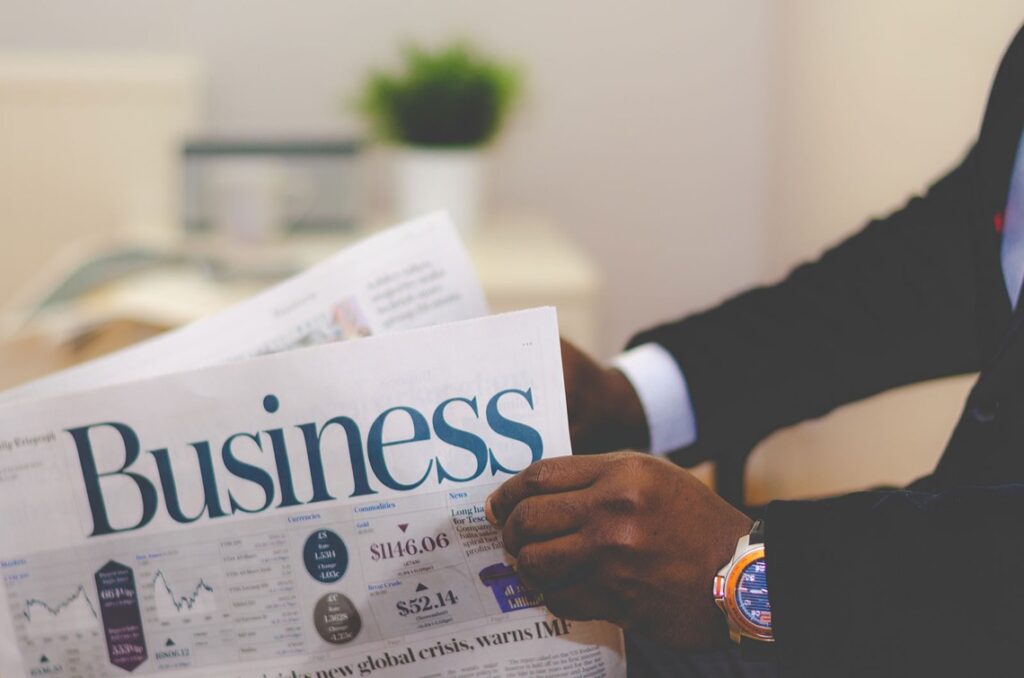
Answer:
x=898 y=583
x=892 y=305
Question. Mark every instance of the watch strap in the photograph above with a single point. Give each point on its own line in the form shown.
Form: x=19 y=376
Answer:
x=757 y=532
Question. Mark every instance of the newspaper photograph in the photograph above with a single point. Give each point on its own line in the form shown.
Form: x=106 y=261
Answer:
x=316 y=512
x=413 y=275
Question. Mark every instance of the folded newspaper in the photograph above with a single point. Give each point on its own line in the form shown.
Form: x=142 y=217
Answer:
x=410 y=276
x=180 y=510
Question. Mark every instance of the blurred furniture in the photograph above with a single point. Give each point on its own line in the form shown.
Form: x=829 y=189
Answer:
x=522 y=262
x=251 y=187
x=90 y=148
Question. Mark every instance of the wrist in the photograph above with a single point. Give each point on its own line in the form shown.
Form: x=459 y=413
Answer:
x=627 y=426
x=736 y=528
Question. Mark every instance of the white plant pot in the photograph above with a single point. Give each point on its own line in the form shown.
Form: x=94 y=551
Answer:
x=427 y=180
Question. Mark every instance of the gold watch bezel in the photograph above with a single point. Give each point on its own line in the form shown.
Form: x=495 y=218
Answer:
x=725 y=594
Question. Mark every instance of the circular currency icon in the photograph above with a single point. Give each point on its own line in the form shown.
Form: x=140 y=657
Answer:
x=336 y=619
x=326 y=556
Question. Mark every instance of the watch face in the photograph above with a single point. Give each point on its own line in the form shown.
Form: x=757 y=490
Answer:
x=752 y=595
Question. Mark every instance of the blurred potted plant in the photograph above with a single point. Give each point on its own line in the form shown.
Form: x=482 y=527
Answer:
x=442 y=108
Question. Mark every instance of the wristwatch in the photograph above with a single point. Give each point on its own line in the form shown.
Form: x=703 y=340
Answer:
x=741 y=591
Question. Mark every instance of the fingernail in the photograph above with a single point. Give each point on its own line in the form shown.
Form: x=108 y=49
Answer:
x=489 y=511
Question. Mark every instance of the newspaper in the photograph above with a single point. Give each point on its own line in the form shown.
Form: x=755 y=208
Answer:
x=317 y=512
x=242 y=545
x=413 y=275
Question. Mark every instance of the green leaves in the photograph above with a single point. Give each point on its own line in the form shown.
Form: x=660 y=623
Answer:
x=449 y=97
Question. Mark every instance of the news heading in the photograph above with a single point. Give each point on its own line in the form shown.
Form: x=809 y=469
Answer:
x=166 y=481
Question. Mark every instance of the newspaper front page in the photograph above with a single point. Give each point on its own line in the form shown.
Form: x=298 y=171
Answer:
x=317 y=512
x=414 y=275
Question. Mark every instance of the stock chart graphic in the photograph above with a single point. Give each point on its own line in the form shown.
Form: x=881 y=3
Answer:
x=172 y=603
x=45 y=617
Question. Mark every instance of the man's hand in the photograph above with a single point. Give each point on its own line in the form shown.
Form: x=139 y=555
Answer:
x=624 y=537
x=605 y=413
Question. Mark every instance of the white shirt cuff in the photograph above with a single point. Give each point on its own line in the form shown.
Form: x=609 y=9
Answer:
x=661 y=385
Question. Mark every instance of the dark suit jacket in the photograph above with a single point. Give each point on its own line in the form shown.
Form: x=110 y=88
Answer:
x=927 y=580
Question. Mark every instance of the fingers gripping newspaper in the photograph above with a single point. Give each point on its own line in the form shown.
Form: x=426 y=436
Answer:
x=317 y=512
